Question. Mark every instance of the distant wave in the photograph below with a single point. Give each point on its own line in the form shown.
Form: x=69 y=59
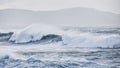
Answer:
x=5 y=36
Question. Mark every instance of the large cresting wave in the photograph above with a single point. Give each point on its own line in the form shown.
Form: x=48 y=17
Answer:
x=47 y=33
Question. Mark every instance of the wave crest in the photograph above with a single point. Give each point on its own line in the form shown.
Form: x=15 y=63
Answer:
x=47 y=33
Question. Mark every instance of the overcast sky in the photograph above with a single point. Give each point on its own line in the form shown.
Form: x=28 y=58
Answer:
x=104 y=5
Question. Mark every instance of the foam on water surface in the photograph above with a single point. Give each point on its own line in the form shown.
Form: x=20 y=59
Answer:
x=35 y=33
x=57 y=57
x=46 y=46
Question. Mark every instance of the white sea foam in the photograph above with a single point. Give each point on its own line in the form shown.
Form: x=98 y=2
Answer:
x=70 y=38
x=34 y=32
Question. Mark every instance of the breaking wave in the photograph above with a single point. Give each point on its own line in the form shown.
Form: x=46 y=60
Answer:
x=46 y=46
x=71 y=37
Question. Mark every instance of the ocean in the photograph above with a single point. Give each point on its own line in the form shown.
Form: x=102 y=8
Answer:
x=67 y=48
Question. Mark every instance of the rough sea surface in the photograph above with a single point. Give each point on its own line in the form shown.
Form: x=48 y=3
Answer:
x=81 y=51
x=63 y=58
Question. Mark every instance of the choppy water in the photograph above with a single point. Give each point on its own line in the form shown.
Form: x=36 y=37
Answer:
x=63 y=58
x=102 y=50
